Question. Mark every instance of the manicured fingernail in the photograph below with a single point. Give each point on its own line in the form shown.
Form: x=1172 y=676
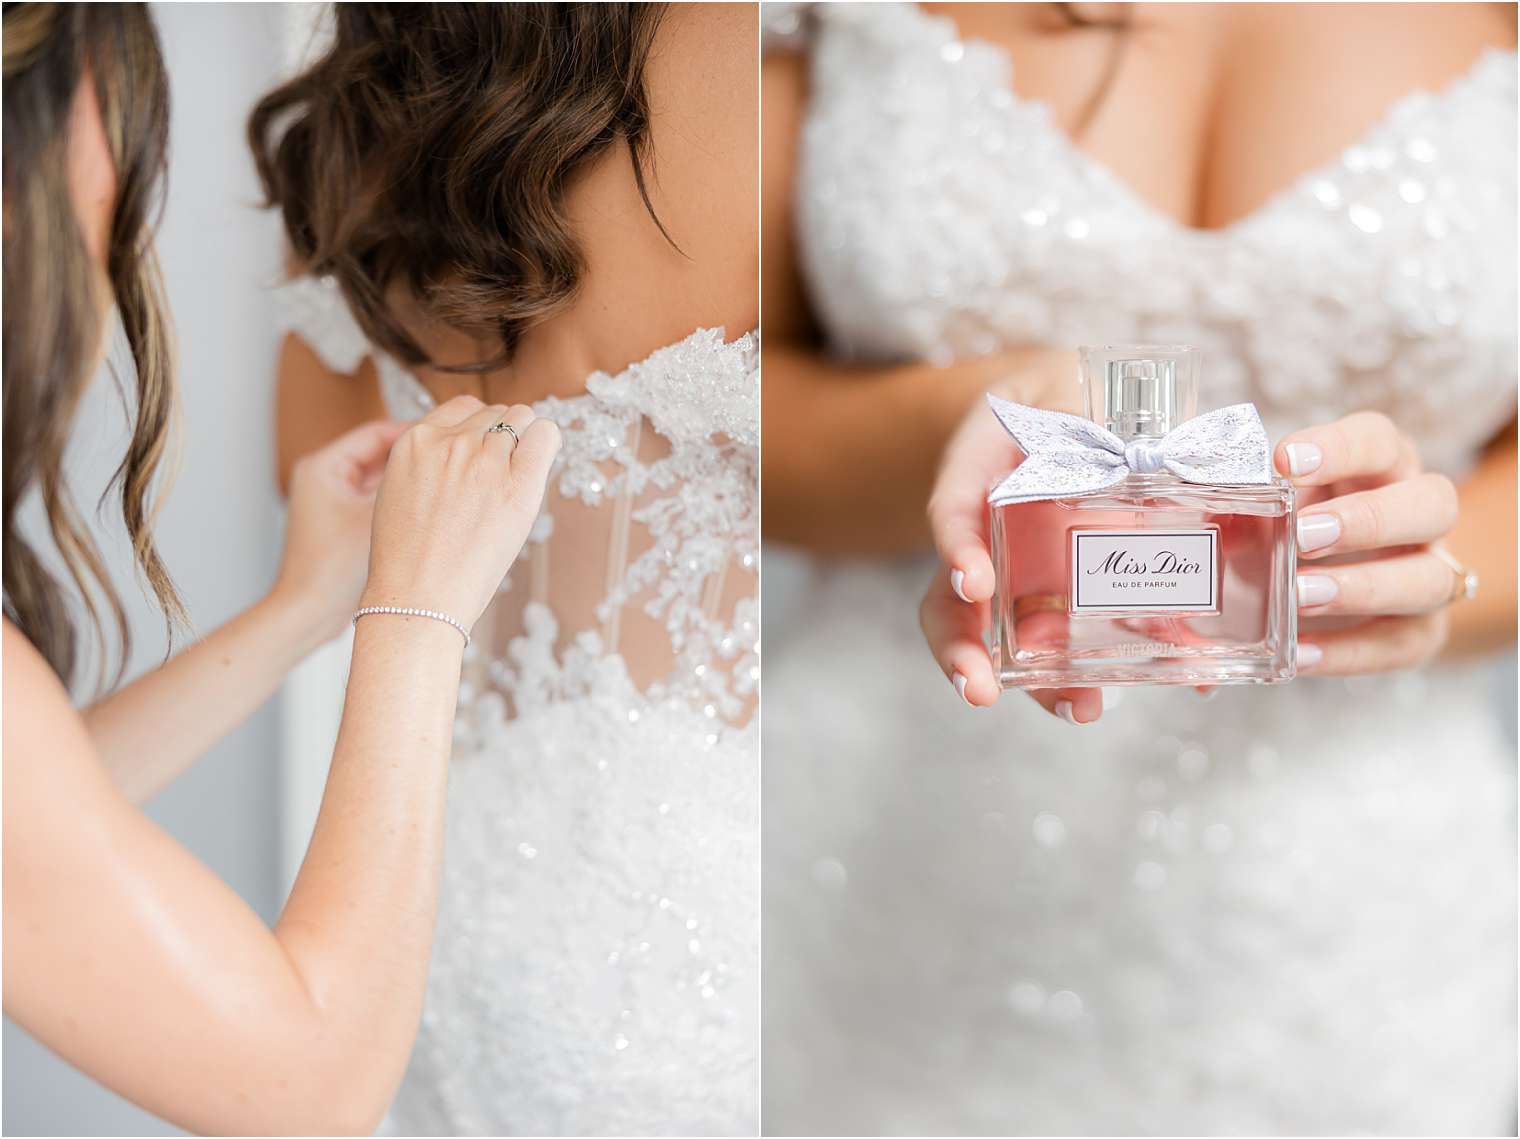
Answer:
x=1303 y=458
x=1207 y=693
x=958 y=579
x=1309 y=655
x=1067 y=712
x=1316 y=589
x=1315 y=531
x=960 y=687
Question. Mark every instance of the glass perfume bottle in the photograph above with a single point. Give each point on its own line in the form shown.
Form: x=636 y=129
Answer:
x=1151 y=577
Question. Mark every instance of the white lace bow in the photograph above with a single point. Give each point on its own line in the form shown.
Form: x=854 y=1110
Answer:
x=1069 y=454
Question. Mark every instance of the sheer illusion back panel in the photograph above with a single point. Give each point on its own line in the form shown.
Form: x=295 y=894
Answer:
x=640 y=556
x=645 y=555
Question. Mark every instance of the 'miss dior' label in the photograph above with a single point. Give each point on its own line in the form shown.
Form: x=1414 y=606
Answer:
x=1148 y=571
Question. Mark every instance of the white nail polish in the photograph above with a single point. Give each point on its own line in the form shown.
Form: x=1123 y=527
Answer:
x=1303 y=458
x=1316 y=589
x=957 y=583
x=1316 y=531
x=1309 y=655
x=1066 y=712
x=960 y=687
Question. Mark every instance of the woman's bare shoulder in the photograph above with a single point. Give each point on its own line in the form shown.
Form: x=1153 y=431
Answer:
x=314 y=403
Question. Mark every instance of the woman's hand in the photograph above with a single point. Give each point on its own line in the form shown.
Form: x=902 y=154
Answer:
x=455 y=506
x=1371 y=594
x=327 y=532
x=957 y=609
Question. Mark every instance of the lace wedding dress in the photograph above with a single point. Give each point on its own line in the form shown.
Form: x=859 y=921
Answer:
x=595 y=965
x=1280 y=911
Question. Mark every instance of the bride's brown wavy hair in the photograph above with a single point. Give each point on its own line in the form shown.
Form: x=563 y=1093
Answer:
x=54 y=321
x=431 y=147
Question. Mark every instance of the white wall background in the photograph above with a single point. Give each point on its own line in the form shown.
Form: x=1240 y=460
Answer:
x=220 y=529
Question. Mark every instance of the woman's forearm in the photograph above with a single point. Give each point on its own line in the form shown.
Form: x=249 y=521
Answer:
x=205 y=691
x=1484 y=541
x=851 y=452
x=367 y=887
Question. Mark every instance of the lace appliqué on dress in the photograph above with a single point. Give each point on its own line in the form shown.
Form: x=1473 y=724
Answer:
x=314 y=309
x=694 y=509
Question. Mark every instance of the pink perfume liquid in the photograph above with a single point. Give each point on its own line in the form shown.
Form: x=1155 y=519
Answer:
x=1155 y=581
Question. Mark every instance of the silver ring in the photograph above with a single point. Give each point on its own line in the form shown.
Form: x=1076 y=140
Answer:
x=498 y=428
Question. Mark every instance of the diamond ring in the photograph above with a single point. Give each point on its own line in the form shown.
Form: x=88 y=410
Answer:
x=504 y=426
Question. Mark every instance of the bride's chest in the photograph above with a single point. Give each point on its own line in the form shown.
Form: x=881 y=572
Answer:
x=940 y=215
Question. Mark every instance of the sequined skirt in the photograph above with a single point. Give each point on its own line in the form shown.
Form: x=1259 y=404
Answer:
x=1280 y=911
x=595 y=970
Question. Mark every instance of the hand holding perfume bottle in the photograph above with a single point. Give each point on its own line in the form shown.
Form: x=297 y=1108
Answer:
x=1070 y=584
x=1173 y=536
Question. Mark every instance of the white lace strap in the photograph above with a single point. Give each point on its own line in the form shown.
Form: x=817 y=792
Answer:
x=315 y=311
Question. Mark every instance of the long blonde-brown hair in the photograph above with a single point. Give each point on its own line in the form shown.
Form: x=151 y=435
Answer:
x=53 y=323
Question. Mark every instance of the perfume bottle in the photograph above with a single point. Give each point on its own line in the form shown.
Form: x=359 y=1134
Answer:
x=1142 y=545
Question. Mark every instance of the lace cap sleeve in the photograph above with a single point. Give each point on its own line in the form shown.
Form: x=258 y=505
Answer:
x=784 y=25
x=314 y=310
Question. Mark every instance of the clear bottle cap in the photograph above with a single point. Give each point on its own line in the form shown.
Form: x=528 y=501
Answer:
x=1139 y=390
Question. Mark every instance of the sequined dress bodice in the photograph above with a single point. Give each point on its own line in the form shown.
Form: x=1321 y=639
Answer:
x=940 y=215
x=595 y=965
x=1280 y=911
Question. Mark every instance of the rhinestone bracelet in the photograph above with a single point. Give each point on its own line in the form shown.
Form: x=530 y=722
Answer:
x=402 y=611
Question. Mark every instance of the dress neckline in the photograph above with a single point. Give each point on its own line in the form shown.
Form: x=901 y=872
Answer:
x=425 y=400
x=943 y=31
